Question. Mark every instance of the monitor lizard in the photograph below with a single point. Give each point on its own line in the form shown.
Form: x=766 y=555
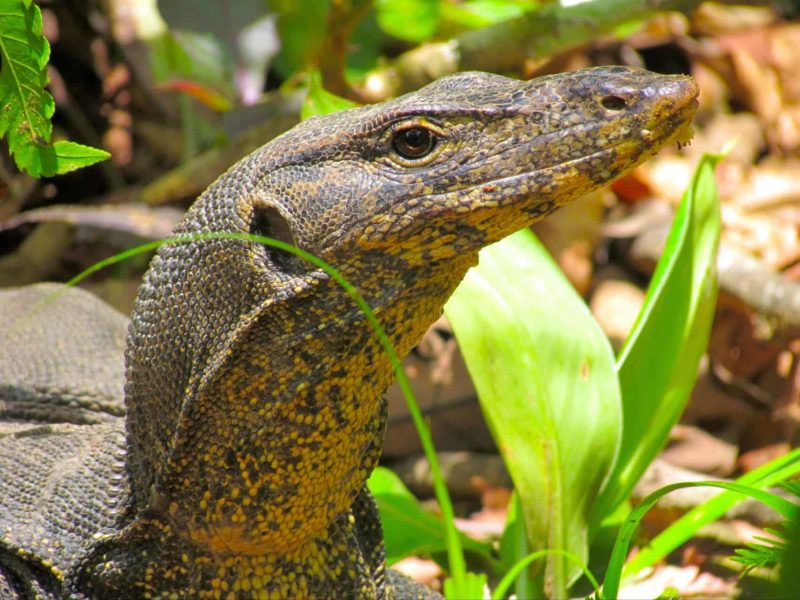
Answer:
x=253 y=384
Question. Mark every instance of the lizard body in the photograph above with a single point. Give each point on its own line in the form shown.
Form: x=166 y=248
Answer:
x=254 y=385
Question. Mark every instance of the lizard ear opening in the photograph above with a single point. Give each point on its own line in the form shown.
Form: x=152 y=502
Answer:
x=267 y=221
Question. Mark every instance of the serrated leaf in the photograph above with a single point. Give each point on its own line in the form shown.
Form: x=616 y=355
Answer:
x=46 y=160
x=25 y=104
x=69 y=156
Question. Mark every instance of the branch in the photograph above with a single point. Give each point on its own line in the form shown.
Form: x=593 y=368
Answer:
x=503 y=46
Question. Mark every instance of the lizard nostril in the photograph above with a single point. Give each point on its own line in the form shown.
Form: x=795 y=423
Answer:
x=613 y=103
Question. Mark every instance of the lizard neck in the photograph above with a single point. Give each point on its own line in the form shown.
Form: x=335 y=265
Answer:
x=290 y=436
x=162 y=563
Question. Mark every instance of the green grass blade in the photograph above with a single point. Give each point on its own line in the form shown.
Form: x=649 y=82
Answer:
x=684 y=528
x=472 y=585
x=514 y=547
x=658 y=365
x=628 y=529
x=544 y=372
x=515 y=571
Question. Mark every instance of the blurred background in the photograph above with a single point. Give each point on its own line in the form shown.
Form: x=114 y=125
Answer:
x=178 y=90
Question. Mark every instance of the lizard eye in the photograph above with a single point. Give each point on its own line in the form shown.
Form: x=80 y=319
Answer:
x=414 y=142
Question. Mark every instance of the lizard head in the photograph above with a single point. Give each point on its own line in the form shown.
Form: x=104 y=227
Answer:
x=254 y=383
x=465 y=161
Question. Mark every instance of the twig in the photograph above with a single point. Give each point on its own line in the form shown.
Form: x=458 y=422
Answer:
x=343 y=17
x=504 y=46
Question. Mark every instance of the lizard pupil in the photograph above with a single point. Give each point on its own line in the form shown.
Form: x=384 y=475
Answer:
x=412 y=143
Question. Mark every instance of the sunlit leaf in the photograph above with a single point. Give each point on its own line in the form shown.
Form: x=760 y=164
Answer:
x=25 y=104
x=409 y=529
x=410 y=20
x=544 y=372
x=301 y=25
x=320 y=101
x=658 y=366
x=473 y=14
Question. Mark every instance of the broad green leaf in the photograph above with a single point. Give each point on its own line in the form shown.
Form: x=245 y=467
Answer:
x=408 y=528
x=25 y=105
x=320 y=101
x=474 y=14
x=410 y=20
x=545 y=377
x=658 y=365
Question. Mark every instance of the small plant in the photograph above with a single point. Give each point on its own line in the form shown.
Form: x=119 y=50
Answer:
x=25 y=104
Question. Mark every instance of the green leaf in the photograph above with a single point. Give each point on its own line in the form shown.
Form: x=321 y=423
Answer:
x=407 y=527
x=320 y=101
x=545 y=377
x=474 y=14
x=301 y=26
x=514 y=548
x=63 y=157
x=472 y=585
x=658 y=366
x=25 y=105
x=409 y=20
x=613 y=575
x=683 y=529
x=789 y=583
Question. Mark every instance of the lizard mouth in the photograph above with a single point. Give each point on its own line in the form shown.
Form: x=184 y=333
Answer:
x=671 y=118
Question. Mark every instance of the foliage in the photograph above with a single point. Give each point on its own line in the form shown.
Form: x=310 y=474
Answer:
x=788 y=466
x=560 y=407
x=658 y=365
x=544 y=371
x=320 y=101
x=408 y=528
x=25 y=105
x=546 y=379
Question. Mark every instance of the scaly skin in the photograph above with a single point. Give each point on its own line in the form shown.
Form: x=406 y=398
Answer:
x=254 y=385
